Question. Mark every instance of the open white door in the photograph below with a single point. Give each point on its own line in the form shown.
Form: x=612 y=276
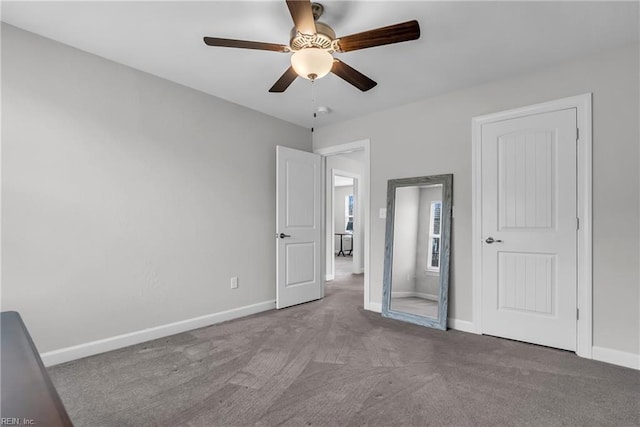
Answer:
x=298 y=227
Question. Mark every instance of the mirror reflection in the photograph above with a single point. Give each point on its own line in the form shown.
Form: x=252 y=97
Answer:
x=416 y=277
x=416 y=250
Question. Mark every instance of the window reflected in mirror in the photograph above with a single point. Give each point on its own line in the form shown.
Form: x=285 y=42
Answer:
x=433 y=260
x=348 y=213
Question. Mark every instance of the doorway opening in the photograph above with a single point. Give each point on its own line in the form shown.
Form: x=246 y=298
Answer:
x=343 y=216
x=341 y=162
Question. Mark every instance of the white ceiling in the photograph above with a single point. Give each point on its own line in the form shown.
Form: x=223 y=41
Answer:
x=462 y=44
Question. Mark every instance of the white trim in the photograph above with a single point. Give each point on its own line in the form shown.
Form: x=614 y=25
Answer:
x=582 y=104
x=329 y=277
x=585 y=244
x=402 y=294
x=407 y=294
x=62 y=355
x=344 y=148
x=616 y=357
x=461 y=325
x=427 y=296
x=365 y=145
x=374 y=306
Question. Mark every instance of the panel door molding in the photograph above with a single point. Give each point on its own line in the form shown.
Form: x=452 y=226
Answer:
x=298 y=227
x=532 y=200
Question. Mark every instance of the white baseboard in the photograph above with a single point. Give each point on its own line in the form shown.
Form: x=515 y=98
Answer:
x=461 y=325
x=407 y=294
x=430 y=297
x=328 y=277
x=616 y=357
x=402 y=294
x=374 y=306
x=67 y=354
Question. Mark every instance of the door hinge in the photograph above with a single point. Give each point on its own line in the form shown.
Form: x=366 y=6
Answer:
x=577 y=134
x=577 y=223
x=577 y=314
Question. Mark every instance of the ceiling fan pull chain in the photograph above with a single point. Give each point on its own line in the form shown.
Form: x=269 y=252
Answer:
x=314 y=101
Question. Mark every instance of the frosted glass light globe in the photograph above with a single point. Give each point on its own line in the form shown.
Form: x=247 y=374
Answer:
x=312 y=63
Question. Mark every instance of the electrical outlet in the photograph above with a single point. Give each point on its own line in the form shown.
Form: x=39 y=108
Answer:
x=234 y=283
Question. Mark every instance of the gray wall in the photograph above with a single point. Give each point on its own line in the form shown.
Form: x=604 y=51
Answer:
x=427 y=282
x=433 y=136
x=128 y=201
x=405 y=239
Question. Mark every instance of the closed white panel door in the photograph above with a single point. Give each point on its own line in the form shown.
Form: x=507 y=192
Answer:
x=529 y=229
x=297 y=227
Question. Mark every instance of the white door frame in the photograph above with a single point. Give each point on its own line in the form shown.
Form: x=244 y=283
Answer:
x=582 y=104
x=364 y=145
x=355 y=238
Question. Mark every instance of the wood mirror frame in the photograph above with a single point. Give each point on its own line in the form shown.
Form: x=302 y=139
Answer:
x=446 y=180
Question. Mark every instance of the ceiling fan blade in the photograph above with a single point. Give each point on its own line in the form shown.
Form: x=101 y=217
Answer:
x=244 y=44
x=284 y=81
x=302 y=16
x=351 y=75
x=397 y=33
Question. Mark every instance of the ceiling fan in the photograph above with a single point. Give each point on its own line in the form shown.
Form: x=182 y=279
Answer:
x=313 y=42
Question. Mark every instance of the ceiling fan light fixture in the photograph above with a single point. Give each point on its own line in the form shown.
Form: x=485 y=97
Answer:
x=312 y=63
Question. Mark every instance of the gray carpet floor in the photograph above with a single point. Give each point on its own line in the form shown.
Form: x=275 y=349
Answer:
x=331 y=363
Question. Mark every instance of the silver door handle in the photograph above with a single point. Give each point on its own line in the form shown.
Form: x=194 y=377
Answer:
x=490 y=240
x=282 y=235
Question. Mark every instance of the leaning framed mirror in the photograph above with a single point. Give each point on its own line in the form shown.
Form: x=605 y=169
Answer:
x=417 y=250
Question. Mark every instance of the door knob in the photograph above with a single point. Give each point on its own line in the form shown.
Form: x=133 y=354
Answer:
x=490 y=240
x=282 y=235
